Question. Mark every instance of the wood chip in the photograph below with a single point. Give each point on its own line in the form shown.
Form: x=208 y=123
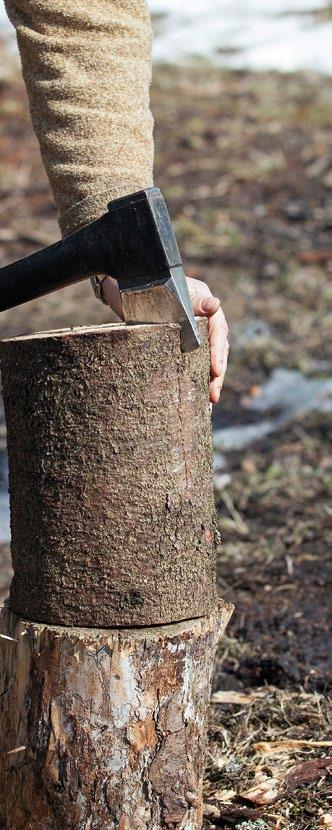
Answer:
x=210 y=811
x=224 y=795
x=325 y=821
x=269 y=747
x=307 y=772
x=267 y=789
x=239 y=698
x=16 y=749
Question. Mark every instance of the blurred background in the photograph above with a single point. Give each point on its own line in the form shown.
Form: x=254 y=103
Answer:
x=242 y=101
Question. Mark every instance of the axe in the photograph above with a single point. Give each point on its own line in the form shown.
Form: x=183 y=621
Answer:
x=133 y=242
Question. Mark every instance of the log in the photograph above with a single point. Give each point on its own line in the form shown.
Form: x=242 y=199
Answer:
x=109 y=636
x=110 y=456
x=104 y=729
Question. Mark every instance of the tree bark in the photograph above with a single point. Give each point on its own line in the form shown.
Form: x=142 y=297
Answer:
x=110 y=455
x=104 y=729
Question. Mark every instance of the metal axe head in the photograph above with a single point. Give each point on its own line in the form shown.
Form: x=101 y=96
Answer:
x=133 y=242
x=152 y=284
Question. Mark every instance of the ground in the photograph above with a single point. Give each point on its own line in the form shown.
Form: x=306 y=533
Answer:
x=243 y=161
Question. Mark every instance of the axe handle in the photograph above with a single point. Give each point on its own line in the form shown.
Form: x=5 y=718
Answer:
x=134 y=242
x=67 y=261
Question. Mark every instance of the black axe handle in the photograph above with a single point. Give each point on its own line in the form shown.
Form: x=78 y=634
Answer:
x=134 y=242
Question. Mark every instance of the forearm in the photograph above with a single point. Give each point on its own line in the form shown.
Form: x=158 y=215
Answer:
x=87 y=69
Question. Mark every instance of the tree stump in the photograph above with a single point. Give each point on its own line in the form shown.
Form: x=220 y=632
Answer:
x=108 y=725
x=110 y=455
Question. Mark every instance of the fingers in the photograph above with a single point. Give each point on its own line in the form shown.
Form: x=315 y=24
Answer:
x=205 y=305
x=217 y=382
x=218 y=331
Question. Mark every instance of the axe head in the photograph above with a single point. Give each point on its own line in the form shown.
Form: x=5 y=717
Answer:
x=154 y=288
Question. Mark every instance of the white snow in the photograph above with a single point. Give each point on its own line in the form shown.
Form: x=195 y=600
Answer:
x=256 y=34
x=264 y=34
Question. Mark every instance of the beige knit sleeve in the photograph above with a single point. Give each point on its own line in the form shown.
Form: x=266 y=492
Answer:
x=87 y=69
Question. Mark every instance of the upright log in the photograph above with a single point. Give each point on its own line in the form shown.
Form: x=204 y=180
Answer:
x=109 y=636
x=110 y=454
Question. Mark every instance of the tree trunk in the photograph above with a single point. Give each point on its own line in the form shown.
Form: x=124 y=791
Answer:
x=110 y=455
x=104 y=729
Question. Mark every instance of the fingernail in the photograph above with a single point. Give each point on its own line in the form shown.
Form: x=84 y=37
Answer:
x=208 y=304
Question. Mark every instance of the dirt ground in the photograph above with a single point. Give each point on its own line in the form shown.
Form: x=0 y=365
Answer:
x=244 y=161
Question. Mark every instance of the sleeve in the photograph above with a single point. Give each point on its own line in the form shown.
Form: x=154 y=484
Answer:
x=87 y=69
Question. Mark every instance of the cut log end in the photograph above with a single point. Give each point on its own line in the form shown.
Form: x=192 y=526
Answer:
x=100 y=328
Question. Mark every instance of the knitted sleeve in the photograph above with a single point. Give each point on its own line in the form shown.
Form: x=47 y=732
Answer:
x=87 y=69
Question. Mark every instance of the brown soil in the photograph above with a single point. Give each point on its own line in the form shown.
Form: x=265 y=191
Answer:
x=243 y=159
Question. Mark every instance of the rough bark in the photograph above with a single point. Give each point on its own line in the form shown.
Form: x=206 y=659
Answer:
x=110 y=454
x=109 y=725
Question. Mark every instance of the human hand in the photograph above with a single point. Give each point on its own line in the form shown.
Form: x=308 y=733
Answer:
x=204 y=305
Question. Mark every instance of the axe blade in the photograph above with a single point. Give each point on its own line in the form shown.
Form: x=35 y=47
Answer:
x=166 y=302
